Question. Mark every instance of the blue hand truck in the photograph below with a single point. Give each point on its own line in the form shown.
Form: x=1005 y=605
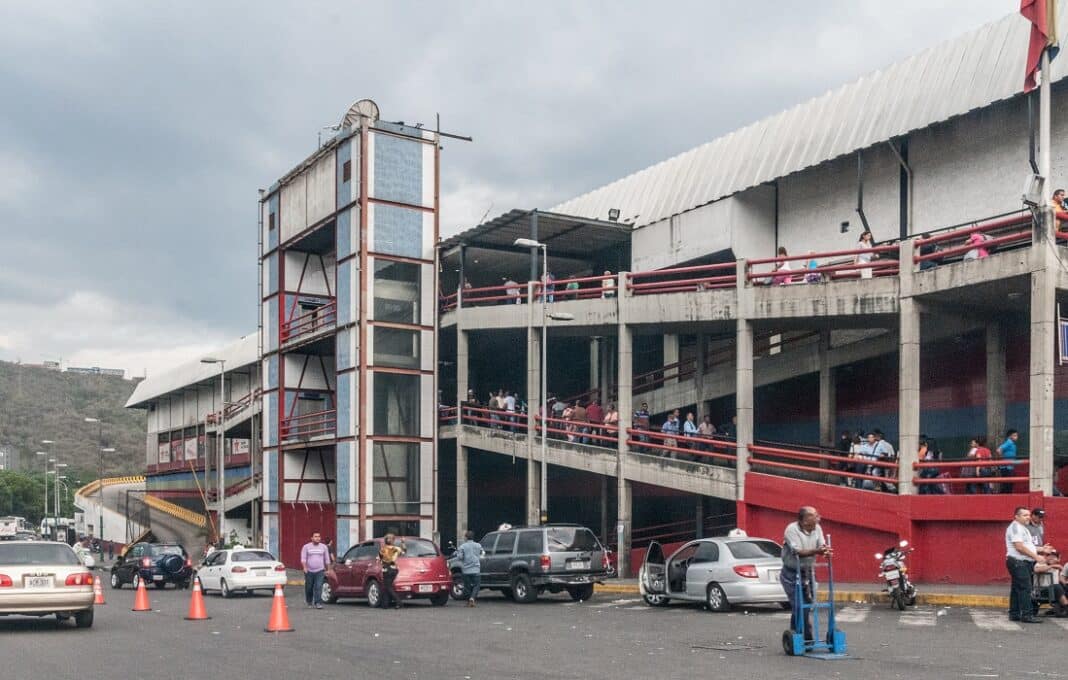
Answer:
x=832 y=644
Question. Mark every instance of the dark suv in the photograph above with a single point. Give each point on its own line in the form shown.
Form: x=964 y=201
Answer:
x=156 y=563
x=523 y=562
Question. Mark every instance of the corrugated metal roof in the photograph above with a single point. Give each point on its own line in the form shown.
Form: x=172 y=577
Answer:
x=958 y=76
x=236 y=355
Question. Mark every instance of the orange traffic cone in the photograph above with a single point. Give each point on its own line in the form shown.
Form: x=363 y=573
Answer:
x=279 y=621
x=197 y=612
x=141 y=600
x=98 y=592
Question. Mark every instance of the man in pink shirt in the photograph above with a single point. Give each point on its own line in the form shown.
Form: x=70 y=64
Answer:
x=314 y=560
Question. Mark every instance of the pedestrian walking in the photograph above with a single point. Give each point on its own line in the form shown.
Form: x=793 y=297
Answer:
x=1007 y=452
x=470 y=553
x=314 y=560
x=388 y=555
x=1020 y=559
x=802 y=542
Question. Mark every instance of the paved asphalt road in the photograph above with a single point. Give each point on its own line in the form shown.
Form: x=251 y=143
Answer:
x=607 y=637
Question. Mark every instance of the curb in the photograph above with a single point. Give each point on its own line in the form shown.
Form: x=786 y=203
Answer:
x=868 y=597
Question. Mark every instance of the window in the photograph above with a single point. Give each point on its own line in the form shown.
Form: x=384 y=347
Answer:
x=684 y=554
x=395 y=527
x=216 y=558
x=352 y=554
x=505 y=544
x=487 y=542
x=396 y=347
x=167 y=550
x=368 y=551
x=707 y=552
x=396 y=479
x=419 y=547
x=571 y=539
x=396 y=404
x=530 y=543
x=397 y=289
x=753 y=550
x=346 y=171
x=252 y=556
x=41 y=554
x=270 y=222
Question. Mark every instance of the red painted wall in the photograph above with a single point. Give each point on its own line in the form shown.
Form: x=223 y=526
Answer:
x=298 y=521
x=957 y=539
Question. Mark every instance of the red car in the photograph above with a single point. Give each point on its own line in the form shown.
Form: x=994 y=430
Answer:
x=423 y=572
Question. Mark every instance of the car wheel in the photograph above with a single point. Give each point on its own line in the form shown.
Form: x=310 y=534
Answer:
x=224 y=589
x=327 y=593
x=440 y=599
x=581 y=593
x=116 y=582
x=374 y=594
x=655 y=600
x=84 y=618
x=523 y=590
x=136 y=581
x=459 y=591
x=716 y=599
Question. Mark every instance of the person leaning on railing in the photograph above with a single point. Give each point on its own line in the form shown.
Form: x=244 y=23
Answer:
x=1060 y=207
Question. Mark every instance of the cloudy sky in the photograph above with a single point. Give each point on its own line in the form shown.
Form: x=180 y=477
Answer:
x=134 y=135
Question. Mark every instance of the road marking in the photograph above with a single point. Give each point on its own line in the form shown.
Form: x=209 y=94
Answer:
x=915 y=617
x=851 y=614
x=639 y=608
x=1060 y=622
x=780 y=616
x=614 y=603
x=993 y=621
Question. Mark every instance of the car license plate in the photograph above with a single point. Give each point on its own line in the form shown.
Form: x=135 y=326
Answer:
x=773 y=574
x=578 y=565
x=37 y=582
x=892 y=575
x=261 y=572
x=157 y=577
x=426 y=588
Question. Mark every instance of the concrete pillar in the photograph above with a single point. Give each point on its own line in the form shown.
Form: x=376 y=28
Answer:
x=534 y=509
x=996 y=382
x=461 y=491
x=1043 y=345
x=743 y=378
x=828 y=401
x=699 y=506
x=595 y=363
x=605 y=490
x=671 y=355
x=908 y=393
x=462 y=366
x=699 y=376
x=604 y=353
x=624 y=382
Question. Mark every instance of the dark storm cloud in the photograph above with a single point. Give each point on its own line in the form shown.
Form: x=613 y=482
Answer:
x=133 y=136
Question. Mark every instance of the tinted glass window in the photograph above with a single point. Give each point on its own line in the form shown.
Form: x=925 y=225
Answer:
x=43 y=553
x=706 y=552
x=530 y=543
x=396 y=288
x=418 y=547
x=396 y=476
x=571 y=539
x=505 y=544
x=216 y=558
x=166 y=550
x=253 y=556
x=367 y=552
x=396 y=347
x=396 y=405
x=352 y=554
x=685 y=554
x=752 y=550
x=487 y=542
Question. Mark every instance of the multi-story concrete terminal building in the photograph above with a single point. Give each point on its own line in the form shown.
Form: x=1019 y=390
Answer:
x=747 y=294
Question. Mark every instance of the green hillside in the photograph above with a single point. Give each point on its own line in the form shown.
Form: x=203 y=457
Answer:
x=39 y=403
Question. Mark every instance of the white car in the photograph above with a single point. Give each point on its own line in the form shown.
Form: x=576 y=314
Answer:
x=240 y=569
x=39 y=578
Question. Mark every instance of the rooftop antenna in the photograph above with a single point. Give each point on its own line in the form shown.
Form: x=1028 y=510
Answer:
x=363 y=108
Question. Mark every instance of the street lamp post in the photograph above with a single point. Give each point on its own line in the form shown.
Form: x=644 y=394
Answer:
x=45 y=453
x=543 y=511
x=100 y=474
x=221 y=471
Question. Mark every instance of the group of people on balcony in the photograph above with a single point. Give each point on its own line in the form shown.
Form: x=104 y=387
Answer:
x=514 y=291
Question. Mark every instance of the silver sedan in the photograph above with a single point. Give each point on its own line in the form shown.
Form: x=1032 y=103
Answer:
x=717 y=571
x=43 y=578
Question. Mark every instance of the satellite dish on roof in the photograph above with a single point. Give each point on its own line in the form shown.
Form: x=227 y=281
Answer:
x=365 y=108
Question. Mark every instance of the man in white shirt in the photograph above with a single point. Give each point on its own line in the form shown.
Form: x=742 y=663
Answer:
x=802 y=542
x=1020 y=560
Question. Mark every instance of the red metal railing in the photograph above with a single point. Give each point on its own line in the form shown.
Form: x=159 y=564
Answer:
x=1008 y=230
x=704 y=449
x=448 y=415
x=834 y=270
x=494 y=295
x=513 y=421
x=772 y=460
x=448 y=302
x=309 y=323
x=583 y=288
x=233 y=408
x=681 y=279
x=955 y=471
x=309 y=425
x=580 y=432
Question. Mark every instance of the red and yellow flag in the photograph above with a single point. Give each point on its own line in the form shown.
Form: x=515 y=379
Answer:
x=1043 y=17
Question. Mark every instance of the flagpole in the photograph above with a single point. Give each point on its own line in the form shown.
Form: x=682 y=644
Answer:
x=1044 y=122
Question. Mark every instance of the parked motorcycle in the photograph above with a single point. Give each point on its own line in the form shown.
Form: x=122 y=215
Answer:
x=892 y=569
